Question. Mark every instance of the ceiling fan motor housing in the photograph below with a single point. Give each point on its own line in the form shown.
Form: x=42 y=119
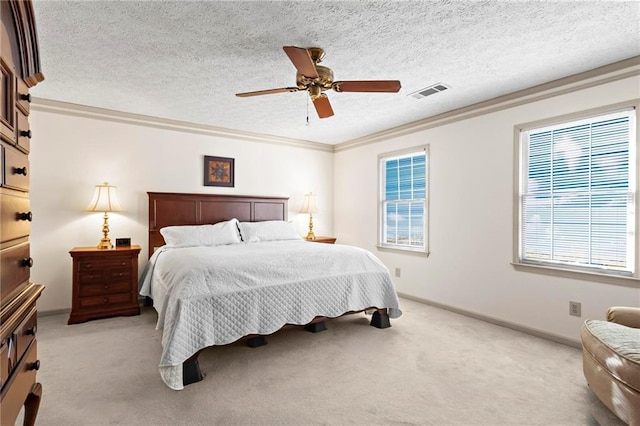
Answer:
x=324 y=80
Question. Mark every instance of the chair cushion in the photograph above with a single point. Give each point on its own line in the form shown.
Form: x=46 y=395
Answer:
x=616 y=348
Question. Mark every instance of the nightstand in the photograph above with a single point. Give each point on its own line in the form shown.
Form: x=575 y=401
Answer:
x=105 y=283
x=326 y=240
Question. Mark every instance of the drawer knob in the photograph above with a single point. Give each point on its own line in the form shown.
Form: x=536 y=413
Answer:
x=105 y=300
x=25 y=97
x=20 y=171
x=26 y=133
x=106 y=286
x=31 y=331
x=27 y=262
x=34 y=365
x=24 y=216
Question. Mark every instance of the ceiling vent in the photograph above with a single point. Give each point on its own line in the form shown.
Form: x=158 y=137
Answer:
x=428 y=91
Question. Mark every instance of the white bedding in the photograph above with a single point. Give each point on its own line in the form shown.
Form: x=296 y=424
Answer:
x=215 y=295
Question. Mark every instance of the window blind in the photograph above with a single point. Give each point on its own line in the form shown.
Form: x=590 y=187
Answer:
x=404 y=186
x=577 y=194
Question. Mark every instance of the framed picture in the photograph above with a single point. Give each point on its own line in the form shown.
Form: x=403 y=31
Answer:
x=218 y=171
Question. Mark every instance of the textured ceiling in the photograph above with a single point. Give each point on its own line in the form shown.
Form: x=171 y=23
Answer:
x=186 y=60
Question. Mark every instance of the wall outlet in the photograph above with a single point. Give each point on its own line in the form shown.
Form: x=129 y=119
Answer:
x=575 y=309
x=398 y=272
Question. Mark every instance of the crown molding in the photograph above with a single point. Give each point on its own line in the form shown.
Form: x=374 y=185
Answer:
x=84 y=111
x=613 y=72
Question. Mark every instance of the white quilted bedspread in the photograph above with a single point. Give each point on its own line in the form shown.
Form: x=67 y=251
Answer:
x=209 y=296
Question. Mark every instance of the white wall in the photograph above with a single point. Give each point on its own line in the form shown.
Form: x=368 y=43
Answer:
x=471 y=199
x=70 y=155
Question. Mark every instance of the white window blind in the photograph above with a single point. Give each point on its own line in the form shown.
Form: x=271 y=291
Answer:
x=577 y=194
x=403 y=200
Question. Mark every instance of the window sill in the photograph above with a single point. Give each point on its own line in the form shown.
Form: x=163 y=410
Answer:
x=578 y=275
x=403 y=250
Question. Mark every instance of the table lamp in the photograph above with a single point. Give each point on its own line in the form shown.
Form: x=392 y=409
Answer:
x=105 y=200
x=310 y=206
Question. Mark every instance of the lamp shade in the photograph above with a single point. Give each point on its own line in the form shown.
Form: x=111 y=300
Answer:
x=104 y=200
x=309 y=205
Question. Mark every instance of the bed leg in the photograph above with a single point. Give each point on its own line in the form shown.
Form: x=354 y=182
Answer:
x=256 y=341
x=316 y=327
x=380 y=319
x=191 y=371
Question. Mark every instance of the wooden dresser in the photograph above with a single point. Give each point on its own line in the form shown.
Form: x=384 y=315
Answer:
x=20 y=70
x=105 y=283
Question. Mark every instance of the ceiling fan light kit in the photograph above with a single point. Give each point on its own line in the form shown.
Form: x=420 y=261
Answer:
x=316 y=79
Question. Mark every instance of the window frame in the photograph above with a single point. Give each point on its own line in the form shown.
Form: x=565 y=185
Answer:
x=381 y=201
x=570 y=271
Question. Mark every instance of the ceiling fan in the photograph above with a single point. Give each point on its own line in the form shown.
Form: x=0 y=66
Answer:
x=316 y=79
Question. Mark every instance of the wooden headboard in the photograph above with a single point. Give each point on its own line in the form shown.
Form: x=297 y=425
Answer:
x=167 y=208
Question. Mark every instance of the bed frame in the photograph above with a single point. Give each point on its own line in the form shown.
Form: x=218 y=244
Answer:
x=167 y=209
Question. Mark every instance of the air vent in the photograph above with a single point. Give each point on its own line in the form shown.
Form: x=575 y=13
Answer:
x=428 y=91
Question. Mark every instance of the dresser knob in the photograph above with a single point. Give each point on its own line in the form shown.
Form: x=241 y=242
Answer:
x=24 y=216
x=25 y=97
x=34 y=365
x=31 y=331
x=106 y=286
x=88 y=265
x=20 y=171
x=27 y=262
x=105 y=300
x=123 y=263
x=26 y=133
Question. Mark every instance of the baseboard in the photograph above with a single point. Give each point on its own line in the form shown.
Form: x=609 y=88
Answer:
x=53 y=312
x=534 y=332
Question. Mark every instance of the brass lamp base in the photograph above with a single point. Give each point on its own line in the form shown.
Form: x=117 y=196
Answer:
x=310 y=234
x=105 y=242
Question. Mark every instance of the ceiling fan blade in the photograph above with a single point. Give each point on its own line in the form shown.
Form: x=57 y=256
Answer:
x=323 y=106
x=302 y=61
x=367 y=86
x=267 y=92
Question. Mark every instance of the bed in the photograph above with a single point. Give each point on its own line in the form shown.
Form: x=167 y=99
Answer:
x=224 y=268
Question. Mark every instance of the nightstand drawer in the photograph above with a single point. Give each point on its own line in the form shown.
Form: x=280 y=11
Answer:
x=104 y=289
x=105 y=301
x=96 y=276
x=101 y=264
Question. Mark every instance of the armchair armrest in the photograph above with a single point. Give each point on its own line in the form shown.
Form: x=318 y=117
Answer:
x=624 y=315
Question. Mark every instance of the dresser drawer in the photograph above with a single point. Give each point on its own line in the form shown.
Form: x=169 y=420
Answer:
x=26 y=333
x=15 y=169
x=14 y=268
x=21 y=384
x=105 y=301
x=23 y=132
x=14 y=222
x=8 y=358
x=23 y=98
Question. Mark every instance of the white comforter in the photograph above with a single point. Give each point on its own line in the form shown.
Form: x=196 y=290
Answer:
x=215 y=295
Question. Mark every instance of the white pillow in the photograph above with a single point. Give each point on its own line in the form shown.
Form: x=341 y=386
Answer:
x=270 y=230
x=221 y=233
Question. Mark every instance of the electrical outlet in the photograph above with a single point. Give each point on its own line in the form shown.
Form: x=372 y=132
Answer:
x=398 y=272
x=575 y=309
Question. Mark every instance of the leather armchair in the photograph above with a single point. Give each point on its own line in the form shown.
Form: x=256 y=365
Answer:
x=611 y=361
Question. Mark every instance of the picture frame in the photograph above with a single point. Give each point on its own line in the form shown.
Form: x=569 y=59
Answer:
x=219 y=171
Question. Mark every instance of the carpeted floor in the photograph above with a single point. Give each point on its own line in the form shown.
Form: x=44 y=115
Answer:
x=432 y=367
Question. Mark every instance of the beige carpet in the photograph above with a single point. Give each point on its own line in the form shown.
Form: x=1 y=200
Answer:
x=432 y=367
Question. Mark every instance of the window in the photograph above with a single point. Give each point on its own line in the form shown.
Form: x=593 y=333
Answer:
x=578 y=193
x=403 y=200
